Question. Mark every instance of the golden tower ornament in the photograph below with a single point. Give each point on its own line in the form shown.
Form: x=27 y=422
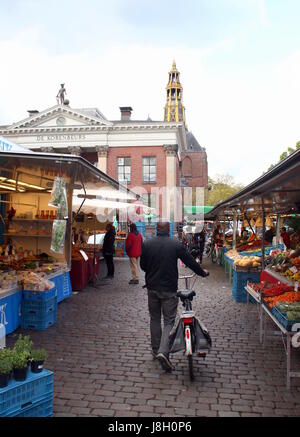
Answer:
x=174 y=108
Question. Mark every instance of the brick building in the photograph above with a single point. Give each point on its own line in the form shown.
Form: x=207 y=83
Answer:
x=143 y=153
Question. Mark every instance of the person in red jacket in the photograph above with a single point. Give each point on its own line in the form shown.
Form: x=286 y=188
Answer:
x=133 y=246
x=286 y=238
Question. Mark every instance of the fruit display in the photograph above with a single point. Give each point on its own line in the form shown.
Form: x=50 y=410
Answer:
x=286 y=264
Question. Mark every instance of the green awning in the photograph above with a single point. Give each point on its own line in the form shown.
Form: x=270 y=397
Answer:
x=198 y=209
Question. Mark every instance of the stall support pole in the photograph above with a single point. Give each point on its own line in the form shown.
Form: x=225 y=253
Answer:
x=260 y=323
x=278 y=227
x=234 y=230
x=263 y=232
x=288 y=360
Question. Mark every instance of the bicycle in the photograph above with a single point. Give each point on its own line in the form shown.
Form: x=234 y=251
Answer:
x=216 y=254
x=189 y=335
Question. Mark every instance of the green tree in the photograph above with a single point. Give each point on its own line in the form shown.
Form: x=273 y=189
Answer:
x=222 y=187
x=285 y=154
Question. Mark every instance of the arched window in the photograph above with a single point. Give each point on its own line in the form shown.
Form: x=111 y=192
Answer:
x=187 y=166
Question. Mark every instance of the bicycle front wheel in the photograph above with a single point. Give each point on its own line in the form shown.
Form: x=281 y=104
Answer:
x=191 y=367
x=214 y=256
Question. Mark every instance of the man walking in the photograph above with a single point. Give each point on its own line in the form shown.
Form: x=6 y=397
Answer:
x=159 y=260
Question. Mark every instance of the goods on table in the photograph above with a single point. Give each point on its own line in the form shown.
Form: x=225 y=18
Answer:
x=8 y=280
x=286 y=264
x=245 y=261
x=270 y=289
x=35 y=281
x=292 y=309
x=232 y=254
x=291 y=296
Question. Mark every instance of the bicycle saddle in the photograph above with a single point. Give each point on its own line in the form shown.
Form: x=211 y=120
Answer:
x=186 y=294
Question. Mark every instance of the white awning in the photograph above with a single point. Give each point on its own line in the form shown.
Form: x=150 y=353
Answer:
x=98 y=206
x=102 y=193
x=8 y=146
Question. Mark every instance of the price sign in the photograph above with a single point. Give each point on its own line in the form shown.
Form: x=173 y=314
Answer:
x=294 y=269
x=85 y=257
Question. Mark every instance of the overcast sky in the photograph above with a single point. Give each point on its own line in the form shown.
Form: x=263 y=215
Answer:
x=239 y=62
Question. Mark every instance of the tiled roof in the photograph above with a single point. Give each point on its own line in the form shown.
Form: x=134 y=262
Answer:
x=192 y=143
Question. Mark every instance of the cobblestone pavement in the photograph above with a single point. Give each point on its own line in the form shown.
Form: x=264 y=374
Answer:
x=99 y=350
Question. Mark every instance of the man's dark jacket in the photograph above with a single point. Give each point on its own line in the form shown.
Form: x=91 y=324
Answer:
x=108 y=247
x=159 y=259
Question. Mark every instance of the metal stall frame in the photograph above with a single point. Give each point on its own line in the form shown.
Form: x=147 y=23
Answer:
x=276 y=192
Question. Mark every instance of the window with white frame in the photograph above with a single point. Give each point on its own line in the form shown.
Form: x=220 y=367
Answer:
x=149 y=169
x=124 y=169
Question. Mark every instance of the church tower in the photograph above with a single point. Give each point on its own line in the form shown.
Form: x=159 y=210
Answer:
x=174 y=109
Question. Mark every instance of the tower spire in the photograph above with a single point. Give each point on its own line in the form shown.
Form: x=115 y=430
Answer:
x=174 y=108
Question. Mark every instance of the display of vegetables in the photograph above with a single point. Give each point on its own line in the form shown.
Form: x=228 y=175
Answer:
x=286 y=264
x=270 y=289
x=292 y=296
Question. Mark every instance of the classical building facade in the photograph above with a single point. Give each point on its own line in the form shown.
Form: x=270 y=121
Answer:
x=144 y=153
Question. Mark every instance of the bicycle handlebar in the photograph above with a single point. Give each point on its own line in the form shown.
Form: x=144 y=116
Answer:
x=187 y=276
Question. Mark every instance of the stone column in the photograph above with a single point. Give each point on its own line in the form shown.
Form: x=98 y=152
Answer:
x=102 y=157
x=74 y=150
x=171 y=154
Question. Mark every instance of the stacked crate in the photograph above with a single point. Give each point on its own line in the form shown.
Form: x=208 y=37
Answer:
x=239 y=283
x=38 y=309
x=30 y=398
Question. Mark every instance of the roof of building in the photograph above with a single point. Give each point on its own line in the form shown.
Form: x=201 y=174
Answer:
x=94 y=112
x=191 y=143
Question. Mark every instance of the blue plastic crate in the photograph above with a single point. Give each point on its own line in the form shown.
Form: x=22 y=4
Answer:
x=39 y=295
x=239 y=283
x=40 y=408
x=281 y=317
x=63 y=286
x=37 y=323
x=240 y=297
x=240 y=280
x=38 y=308
x=19 y=393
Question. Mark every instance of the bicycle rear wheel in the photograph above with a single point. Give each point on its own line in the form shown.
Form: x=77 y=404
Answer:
x=191 y=367
x=214 y=256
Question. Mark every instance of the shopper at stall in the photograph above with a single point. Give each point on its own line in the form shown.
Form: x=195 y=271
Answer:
x=286 y=238
x=108 y=249
x=133 y=246
x=269 y=234
x=159 y=260
x=216 y=236
x=201 y=242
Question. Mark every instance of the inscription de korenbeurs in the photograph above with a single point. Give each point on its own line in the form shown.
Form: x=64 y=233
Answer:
x=60 y=137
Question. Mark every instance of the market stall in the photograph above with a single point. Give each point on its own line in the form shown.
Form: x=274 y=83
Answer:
x=36 y=192
x=101 y=206
x=266 y=205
